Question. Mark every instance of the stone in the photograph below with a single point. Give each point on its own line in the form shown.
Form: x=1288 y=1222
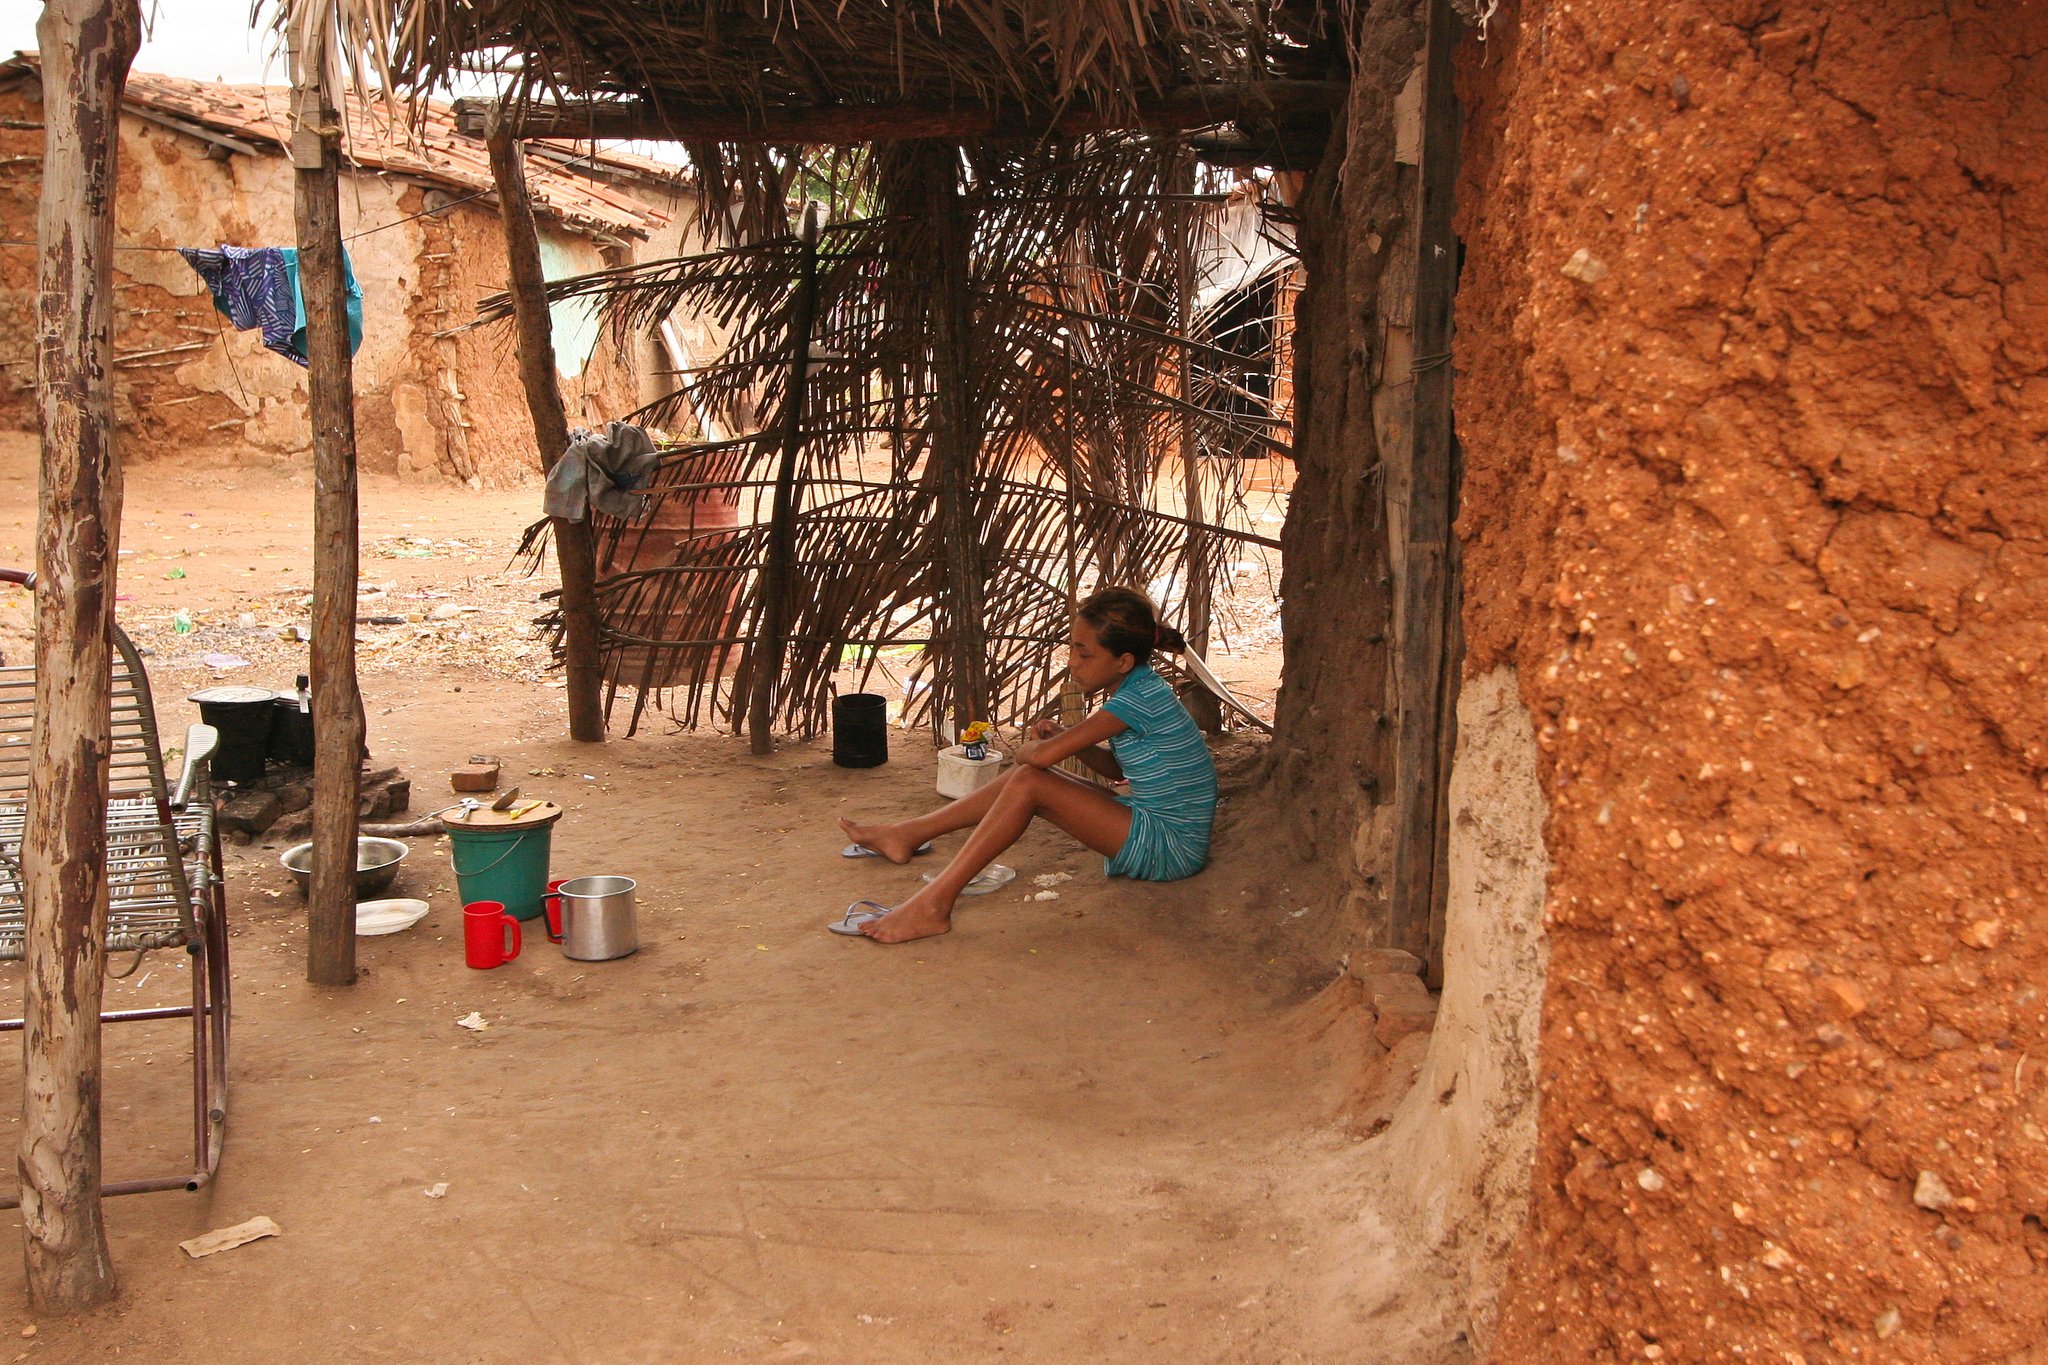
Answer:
x=1651 y=1179
x=1984 y=933
x=446 y=611
x=475 y=777
x=1585 y=267
x=1845 y=996
x=1888 y=1323
x=250 y=812
x=1931 y=1192
x=1944 y=1037
x=1384 y=962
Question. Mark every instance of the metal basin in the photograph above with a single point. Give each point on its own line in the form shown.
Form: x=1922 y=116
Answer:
x=377 y=863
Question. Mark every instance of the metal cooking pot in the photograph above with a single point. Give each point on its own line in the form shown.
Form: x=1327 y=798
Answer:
x=377 y=863
x=597 y=918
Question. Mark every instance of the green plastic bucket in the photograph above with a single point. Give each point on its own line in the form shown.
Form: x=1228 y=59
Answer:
x=506 y=863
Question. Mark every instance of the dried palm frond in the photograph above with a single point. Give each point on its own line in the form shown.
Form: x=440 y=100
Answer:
x=1072 y=274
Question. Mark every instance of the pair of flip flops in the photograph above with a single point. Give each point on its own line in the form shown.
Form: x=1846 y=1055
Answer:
x=991 y=878
x=863 y=851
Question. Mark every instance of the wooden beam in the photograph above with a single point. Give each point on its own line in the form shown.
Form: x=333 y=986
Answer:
x=1188 y=107
x=337 y=699
x=777 y=578
x=86 y=46
x=1425 y=680
x=574 y=550
x=191 y=129
x=956 y=435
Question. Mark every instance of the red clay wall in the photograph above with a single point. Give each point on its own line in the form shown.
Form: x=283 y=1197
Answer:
x=1757 y=504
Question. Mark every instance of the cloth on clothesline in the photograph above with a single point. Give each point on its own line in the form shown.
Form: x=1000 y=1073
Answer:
x=601 y=470
x=259 y=287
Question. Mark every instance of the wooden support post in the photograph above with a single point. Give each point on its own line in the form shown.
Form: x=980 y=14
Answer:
x=778 y=588
x=1201 y=703
x=337 y=701
x=86 y=46
x=573 y=546
x=1425 y=681
x=957 y=433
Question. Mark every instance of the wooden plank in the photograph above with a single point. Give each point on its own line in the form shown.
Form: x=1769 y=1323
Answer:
x=956 y=438
x=778 y=574
x=1423 y=578
x=86 y=46
x=1187 y=107
x=191 y=129
x=574 y=551
x=337 y=699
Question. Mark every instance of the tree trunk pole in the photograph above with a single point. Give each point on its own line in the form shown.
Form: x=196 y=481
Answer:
x=1201 y=703
x=87 y=46
x=573 y=545
x=337 y=700
x=958 y=433
x=777 y=586
x=1425 y=677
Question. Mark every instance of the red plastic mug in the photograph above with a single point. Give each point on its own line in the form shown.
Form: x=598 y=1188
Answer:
x=551 y=909
x=485 y=943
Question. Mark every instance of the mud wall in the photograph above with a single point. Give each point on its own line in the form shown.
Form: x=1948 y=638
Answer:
x=1753 y=389
x=188 y=388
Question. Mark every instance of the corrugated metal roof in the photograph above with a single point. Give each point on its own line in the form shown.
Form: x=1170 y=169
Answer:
x=431 y=152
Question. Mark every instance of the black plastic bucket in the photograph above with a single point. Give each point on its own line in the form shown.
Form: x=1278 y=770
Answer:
x=243 y=716
x=860 y=730
x=291 y=734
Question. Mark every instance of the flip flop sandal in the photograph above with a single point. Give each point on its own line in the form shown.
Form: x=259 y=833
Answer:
x=863 y=851
x=858 y=914
x=994 y=877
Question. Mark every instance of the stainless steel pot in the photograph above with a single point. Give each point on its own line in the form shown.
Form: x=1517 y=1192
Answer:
x=597 y=918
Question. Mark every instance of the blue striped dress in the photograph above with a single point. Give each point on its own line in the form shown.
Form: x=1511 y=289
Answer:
x=1172 y=777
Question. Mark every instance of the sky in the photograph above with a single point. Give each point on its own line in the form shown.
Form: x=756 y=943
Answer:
x=208 y=40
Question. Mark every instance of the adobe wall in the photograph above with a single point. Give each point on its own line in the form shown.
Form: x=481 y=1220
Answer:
x=192 y=389
x=1753 y=391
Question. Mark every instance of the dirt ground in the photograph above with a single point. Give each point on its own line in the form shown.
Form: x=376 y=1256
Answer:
x=1097 y=1126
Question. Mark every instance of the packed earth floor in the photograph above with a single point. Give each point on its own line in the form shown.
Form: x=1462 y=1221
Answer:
x=1099 y=1125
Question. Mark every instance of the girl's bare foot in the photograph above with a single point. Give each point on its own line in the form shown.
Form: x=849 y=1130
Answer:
x=883 y=839
x=924 y=915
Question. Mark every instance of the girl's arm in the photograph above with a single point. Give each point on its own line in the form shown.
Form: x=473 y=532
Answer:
x=1047 y=753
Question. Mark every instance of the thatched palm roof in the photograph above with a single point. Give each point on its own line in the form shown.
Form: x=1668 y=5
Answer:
x=1038 y=58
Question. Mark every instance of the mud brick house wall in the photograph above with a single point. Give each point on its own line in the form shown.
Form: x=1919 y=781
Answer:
x=203 y=164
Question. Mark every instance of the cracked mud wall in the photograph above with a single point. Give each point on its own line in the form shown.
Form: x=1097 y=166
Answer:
x=191 y=389
x=1753 y=354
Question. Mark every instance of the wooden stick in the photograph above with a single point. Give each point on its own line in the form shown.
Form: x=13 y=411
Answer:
x=776 y=586
x=573 y=549
x=1421 y=659
x=337 y=700
x=87 y=46
x=957 y=438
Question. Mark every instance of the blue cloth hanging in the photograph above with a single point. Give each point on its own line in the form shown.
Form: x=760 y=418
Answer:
x=259 y=287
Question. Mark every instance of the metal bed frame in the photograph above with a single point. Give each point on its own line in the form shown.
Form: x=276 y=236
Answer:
x=164 y=880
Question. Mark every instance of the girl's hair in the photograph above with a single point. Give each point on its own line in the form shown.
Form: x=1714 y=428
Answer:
x=1126 y=622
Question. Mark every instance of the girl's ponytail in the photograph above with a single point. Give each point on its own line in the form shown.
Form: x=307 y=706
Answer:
x=1171 y=640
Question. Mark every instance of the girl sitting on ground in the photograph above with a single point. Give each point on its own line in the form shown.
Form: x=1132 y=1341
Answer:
x=1160 y=832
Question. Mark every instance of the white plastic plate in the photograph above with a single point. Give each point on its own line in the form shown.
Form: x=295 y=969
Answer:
x=388 y=917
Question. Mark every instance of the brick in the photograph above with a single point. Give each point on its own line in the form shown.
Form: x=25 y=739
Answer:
x=250 y=812
x=1400 y=1019
x=1384 y=961
x=1395 y=988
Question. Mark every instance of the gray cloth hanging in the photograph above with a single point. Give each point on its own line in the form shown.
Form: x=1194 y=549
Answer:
x=602 y=470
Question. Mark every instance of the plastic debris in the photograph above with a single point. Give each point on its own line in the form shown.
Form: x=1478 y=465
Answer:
x=472 y=1021
x=437 y=1190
